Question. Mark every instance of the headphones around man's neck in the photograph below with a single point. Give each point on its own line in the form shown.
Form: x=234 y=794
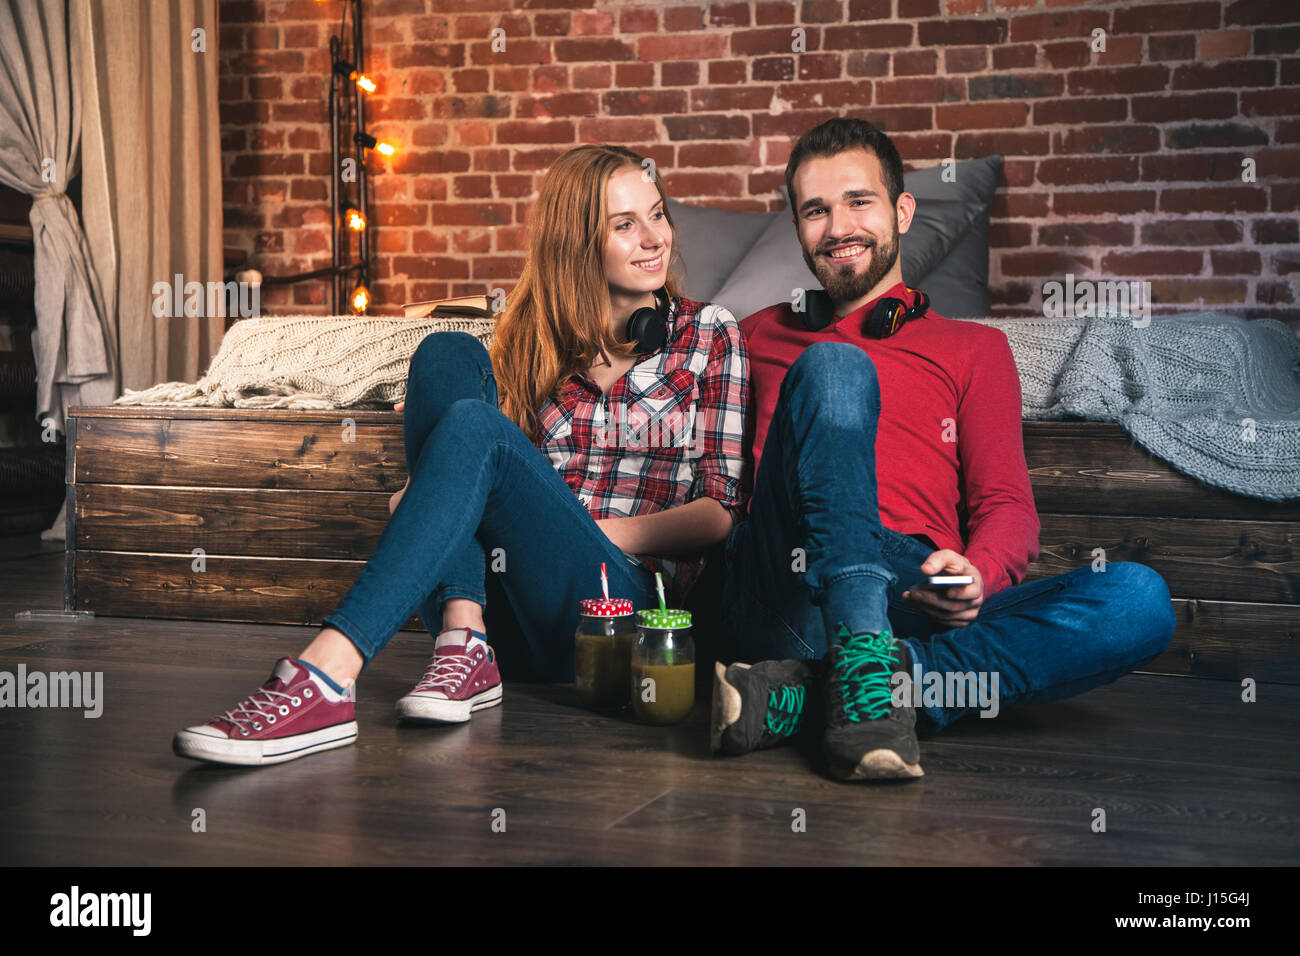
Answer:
x=888 y=315
x=648 y=326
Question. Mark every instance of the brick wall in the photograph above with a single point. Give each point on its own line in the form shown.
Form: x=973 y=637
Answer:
x=1126 y=163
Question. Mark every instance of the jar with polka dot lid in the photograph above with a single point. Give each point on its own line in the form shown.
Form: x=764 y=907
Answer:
x=602 y=653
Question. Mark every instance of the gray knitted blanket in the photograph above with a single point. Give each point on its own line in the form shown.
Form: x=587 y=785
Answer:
x=1216 y=396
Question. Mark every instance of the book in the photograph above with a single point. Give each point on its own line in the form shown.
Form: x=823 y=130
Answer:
x=470 y=306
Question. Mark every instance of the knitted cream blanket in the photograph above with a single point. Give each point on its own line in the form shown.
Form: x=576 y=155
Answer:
x=308 y=362
x=1216 y=396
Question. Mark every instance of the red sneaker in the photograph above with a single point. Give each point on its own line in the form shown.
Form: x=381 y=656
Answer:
x=293 y=715
x=461 y=678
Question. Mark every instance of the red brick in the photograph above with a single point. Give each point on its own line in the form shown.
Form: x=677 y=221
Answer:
x=1199 y=291
x=593 y=76
x=597 y=50
x=1164 y=17
x=1079 y=110
x=1219 y=199
x=471 y=81
x=706 y=46
x=1017 y=172
x=1275 y=231
x=680 y=19
x=971 y=145
x=589 y=23
x=766 y=41
x=706 y=126
x=1086 y=234
x=1076 y=24
x=916 y=62
x=1123 y=79
x=1215 y=46
x=727 y=98
x=679 y=73
x=1016 y=86
x=846 y=94
x=1014 y=235
x=1231 y=73
x=768 y=14
x=1068 y=53
x=773 y=69
x=1122 y=202
x=822 y=11
x=870 y=36
x=262 y=164
x=470 y=214
x=560 y=24
x=1019 y=205
x=924 y=90
x=1182 y=47
x=1044 y=263
x=872 y=10
x=1016 y=56
x=462 y=240
x=431 y=267
x=718 y=154
x=1192 y=167
x=1107 y=139
x=631 y=75
x=820 y=66
x=535 y=131
x=402 y=215
x=1283 y=102
x=1214 y=136
x=644 y=102
x=1234 y=262
x=965 y=59
x=559 y=104
x=913 y=146
x=727 y=72
x=860 y=63
x=960 y=32
x=1258 y=11
x=1153 y=263
x=498 y=267
x=620 y=130
x=981 y=116
x=917 y=9
x=1084 y=170
x=430 y=54
x=1160 y=109
x=638 y=20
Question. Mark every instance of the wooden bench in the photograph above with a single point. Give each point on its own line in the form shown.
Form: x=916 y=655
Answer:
x=287 y=505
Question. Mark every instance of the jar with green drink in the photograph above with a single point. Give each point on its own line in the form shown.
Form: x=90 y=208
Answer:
x=663 y=666
x=602 y=653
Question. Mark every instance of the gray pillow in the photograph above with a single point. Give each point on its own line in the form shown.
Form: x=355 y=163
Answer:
x=712 y=243
x=945 y=253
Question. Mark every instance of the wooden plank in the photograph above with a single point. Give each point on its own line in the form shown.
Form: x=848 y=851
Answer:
x=1231 y=640
x=282 y=415
x=264 y=522
x=232 y=588
x=1223 y=560
x=236 y=453
x=1097 y=465
x=70 y=515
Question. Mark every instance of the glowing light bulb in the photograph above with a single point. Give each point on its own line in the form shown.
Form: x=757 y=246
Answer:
x=385 y=148
x=356 y=222
x=360 y=299
x=363 y=81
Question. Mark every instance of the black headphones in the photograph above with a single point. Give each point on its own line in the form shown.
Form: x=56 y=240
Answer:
x=887 y=316
x=648 y=327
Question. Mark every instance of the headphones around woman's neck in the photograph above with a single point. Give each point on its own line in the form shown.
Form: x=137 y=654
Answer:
x=888 y=315
x=648 y=327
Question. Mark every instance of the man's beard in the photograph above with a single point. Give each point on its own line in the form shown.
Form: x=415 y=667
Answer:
x=844 y=283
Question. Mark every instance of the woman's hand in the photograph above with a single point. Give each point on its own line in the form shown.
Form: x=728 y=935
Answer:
x=956 y=606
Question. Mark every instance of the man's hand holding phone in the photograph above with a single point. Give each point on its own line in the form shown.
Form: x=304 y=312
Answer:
x=956 y=605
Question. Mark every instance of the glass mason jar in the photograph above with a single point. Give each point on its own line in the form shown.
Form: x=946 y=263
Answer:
x=663 y=667
x=602 y=652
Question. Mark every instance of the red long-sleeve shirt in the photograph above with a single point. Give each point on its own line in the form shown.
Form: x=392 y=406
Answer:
x=939 y=379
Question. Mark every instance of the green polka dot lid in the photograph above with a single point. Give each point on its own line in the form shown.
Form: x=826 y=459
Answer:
x=664 y=619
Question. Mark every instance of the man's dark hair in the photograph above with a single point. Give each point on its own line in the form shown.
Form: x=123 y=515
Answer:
x=843 y=133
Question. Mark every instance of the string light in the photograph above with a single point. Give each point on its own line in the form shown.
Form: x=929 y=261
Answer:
x=356 y=222
x=360 y=299
x=369 y=142
x=363 y=81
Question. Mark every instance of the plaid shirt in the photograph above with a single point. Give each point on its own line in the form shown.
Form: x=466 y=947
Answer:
x=669 y=431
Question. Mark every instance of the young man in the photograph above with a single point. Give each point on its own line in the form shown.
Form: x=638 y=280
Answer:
x=880 y=461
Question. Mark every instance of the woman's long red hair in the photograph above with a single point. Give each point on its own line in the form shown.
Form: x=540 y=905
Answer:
x=556 y=320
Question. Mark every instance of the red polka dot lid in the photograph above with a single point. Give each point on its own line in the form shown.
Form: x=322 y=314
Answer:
x=605 y=607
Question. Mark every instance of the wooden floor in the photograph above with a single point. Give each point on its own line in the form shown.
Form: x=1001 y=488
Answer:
x=1186 y=772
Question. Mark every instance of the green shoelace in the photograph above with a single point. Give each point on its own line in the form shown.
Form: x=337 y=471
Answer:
x=863 y=668
x=785 y=711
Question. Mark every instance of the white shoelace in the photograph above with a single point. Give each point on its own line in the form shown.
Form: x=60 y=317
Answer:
x=445 y=671
x=256 y=709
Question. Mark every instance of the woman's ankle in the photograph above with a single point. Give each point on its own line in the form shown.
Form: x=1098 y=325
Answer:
x=462 y=612
x=334 y=654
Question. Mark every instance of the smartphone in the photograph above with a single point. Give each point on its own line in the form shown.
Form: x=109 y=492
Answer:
x=937 y=582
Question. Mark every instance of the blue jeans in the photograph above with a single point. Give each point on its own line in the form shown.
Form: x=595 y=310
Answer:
x=482 y=501
x=814 y=553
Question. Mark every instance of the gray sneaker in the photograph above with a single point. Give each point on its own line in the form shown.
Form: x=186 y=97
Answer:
x=760 y=705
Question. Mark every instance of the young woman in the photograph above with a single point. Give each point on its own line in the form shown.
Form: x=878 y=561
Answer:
x=606 y=426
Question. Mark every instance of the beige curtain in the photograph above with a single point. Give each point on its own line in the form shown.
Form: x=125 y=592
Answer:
x=40 y=125
x=151 y=164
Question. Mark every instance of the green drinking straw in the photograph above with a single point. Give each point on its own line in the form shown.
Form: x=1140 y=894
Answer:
x=659 y=585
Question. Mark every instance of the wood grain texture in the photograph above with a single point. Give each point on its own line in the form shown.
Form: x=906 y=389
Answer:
x=1187 y=773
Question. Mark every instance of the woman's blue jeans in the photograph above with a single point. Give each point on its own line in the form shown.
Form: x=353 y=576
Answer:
x=813 y=553
x=485 y=513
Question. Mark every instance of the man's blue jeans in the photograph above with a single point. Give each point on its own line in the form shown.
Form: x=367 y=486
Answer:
x=813 y=553
x=483 y=500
